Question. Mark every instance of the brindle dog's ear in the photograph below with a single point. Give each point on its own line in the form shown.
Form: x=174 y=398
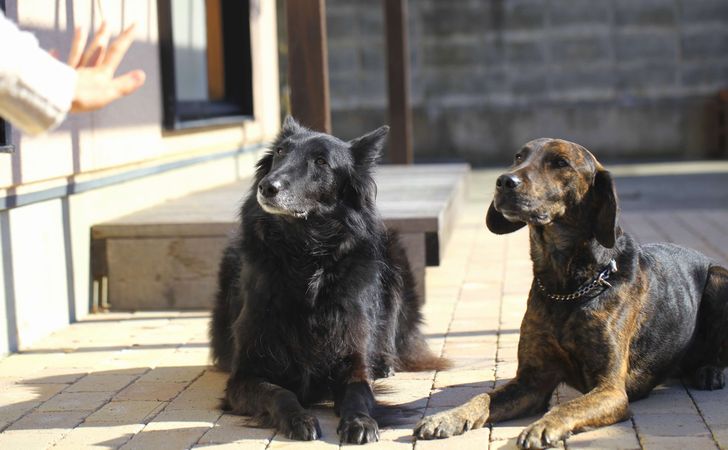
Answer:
x=500 y=225
x=368 y=148
x=605 y=221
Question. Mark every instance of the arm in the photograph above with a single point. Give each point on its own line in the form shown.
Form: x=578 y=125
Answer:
x=36 y=90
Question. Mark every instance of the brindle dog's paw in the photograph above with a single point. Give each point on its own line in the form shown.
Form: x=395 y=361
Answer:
x=541 y=434
x=358 y=429
x=442 y=425
x=301 y=427
x=708 y=378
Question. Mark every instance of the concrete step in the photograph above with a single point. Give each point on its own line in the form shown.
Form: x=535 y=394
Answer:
x=166 y=257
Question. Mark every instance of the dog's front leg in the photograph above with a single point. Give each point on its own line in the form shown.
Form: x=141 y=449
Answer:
x=520 y=397
x=600 y=407
x=258 y=397
x=354 y=402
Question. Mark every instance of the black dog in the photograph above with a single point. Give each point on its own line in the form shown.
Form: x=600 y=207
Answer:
x=316 y=297
x=606 y=315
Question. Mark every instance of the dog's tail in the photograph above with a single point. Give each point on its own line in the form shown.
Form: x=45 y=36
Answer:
x=416 y=356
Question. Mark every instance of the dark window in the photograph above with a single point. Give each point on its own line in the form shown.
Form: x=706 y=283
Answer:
x=205 y=61
x=5 y=145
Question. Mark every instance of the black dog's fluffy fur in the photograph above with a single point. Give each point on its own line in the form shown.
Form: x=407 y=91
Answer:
x=316 y=298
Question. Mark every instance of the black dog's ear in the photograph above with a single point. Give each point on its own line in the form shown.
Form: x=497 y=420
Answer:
x=289 y=128
x=500 y=225
x=263 y=166
x=605 y=197
x=368 y=148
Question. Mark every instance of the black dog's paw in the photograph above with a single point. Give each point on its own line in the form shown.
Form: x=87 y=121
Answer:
x=708 y=378
x=358 y=429
x=541 y=434
x=383 y=371
x=301 y=427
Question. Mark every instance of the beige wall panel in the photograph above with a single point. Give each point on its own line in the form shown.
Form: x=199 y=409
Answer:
x=264 y=43
x=39 y=265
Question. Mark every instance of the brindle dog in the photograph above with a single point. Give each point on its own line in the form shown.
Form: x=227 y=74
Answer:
x=606 y=315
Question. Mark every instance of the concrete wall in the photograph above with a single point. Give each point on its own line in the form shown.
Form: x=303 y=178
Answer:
x=627 y=78
x=102 y=165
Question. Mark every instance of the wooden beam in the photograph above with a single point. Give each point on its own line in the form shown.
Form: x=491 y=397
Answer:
x=400 y=116
x=308 y=70
x=215 y=51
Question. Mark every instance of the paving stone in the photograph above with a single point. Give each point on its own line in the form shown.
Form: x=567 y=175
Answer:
x=677 y=402
x=49 y=421
x=98 y=436
x=172 y=374
x=57 y=375
x=179 y=438
x=230 y=428
x=101 y=382
x=618 y=436
x=463 y=378
x=453 y=396
x=126 y=412
x=664 y=425
x=76 y=401
x=510 y=429
x=714 y=413
x=720 y=433
x=30 y=439
x=650 y=442
x=14 y=411
x=159 y=391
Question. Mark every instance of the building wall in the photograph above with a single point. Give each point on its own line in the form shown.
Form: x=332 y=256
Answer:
x=106 y=164
x=627 y=78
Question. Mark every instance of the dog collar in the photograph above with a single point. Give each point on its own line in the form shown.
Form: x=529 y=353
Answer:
x=599 y=280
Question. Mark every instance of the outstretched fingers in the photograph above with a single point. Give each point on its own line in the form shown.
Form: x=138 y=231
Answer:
x=96 y=51
x=118 y=48
x=80 y=36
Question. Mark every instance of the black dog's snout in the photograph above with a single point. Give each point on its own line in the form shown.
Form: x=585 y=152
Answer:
x=507 y=181
x=269 y=188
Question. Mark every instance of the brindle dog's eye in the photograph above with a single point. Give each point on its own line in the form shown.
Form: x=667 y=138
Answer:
x=561 y=162
x=518 y=158
x=320 y=161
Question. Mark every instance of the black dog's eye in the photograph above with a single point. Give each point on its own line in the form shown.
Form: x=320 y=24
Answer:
x=320 y=162
x=561 y=162
x=279 y=150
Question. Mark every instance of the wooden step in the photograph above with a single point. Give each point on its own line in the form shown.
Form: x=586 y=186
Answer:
x=166 y=257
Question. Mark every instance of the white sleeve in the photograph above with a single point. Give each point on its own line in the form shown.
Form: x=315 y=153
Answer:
x=36 y=90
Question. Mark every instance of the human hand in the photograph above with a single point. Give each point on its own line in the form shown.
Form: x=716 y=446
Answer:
x=95 y=65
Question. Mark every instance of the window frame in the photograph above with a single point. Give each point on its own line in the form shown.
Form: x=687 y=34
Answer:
x=6 y=145
x=238 y=104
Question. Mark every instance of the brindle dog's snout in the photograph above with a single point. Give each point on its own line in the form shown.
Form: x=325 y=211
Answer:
x=507 y=182
x=270 y=189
